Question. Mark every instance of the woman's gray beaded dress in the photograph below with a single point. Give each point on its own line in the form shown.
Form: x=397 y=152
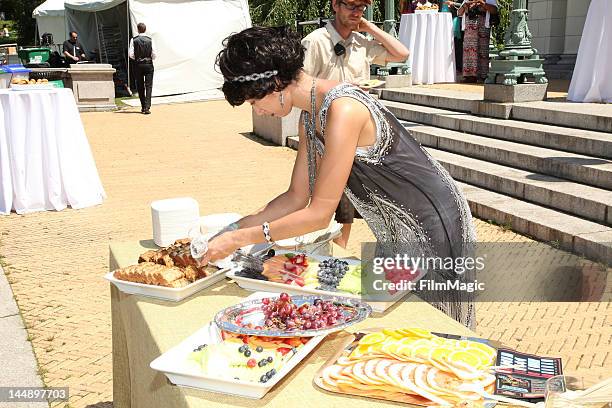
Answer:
x=406 y=197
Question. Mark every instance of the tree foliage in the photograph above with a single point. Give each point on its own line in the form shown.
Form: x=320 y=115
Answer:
x=286 y=12
x=503 y=8
x=21 y=12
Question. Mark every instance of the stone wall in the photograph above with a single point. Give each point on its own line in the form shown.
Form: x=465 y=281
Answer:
x=556 y=26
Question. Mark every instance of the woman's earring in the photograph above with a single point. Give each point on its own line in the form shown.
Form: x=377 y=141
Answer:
x=282 y=99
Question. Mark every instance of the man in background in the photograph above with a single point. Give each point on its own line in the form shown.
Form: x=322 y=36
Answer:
x=142 y=51
x=339 y=52
x=73 y=50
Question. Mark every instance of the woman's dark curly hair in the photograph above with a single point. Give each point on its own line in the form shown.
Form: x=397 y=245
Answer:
x=255 y=51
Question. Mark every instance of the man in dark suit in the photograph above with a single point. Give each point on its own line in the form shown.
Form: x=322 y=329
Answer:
x=142 y=51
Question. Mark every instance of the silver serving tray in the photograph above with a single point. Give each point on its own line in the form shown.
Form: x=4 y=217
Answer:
x=354 y=311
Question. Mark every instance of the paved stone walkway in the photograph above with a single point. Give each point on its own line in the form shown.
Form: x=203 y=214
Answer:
x=55 y=260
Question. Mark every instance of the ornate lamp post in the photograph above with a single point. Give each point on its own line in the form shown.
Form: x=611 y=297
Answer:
x=392 y=69
x=519 y=59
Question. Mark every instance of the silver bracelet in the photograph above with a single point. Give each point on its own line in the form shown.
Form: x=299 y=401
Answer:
x=232 y=227
x=266 y=231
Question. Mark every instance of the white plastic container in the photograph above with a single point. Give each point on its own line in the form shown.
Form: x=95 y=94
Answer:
x=172 y=218
x=173 y=363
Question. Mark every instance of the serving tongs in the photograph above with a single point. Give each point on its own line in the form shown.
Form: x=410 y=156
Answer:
x=253 y=262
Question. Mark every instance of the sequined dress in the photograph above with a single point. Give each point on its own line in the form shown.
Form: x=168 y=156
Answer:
x=405 y=196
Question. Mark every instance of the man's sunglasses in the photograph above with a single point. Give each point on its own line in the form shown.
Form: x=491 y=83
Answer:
x=361 y=8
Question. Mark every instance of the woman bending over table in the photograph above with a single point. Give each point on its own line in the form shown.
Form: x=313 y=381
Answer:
x=348 y=142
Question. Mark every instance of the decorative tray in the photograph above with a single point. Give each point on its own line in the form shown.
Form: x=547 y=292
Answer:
x=296 y=316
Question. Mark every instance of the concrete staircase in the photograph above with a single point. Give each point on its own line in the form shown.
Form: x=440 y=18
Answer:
x=546 y=171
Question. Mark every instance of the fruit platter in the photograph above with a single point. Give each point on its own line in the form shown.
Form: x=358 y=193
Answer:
x=414 y=366
x=168 y=273
x=304 y=273
x=292 y=316
x=218 y=361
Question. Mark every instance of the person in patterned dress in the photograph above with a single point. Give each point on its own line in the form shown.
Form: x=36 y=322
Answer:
x=476 y=17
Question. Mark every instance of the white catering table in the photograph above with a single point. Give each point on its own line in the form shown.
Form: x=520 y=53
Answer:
x=45 y=159
x=429 y=37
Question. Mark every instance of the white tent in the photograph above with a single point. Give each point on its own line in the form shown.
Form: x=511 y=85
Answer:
x=187 y=35
x=50 y=19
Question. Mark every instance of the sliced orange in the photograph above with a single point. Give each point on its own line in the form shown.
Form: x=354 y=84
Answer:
x=485 y=359
x=393 y=333
x=421 y=352
x=439 y=353
x=372 y=338
x=359 y=351
x=487 y=349
x=437 y=340
x=465 y=357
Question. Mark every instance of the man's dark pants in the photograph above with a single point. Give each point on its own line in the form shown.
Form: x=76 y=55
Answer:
x=144 y=84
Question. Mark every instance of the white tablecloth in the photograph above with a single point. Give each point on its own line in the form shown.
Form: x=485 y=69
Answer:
x=591 y=78
x=429 y=37
x=45 y=158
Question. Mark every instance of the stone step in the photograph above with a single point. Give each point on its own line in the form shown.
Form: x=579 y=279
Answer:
x=458 y=101
x=583 y=237
x=583 y=169
x=585 y=142
x=588 y=116
x=580 y=200
x=293 y=142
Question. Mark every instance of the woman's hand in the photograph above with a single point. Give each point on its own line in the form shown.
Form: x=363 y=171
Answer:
x=220 y=247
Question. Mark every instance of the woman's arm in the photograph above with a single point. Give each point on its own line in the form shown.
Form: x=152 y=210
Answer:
x=462 y=9
x=345 y=120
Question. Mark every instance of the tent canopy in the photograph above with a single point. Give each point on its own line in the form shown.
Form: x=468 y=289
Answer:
x=50 y=19
x=92 y=5
x=49 y=8
x=187 y=35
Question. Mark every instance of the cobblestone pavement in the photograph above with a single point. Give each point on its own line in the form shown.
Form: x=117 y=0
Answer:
x=55 y=260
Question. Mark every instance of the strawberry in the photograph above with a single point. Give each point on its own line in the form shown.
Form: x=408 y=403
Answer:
x=283 y=350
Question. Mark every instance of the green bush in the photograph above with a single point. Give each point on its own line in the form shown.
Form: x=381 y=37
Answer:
x=503 y=7
x=21 y=12
x=286 y=12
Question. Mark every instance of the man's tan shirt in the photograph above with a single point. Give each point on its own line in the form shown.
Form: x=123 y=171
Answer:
x=354 y=66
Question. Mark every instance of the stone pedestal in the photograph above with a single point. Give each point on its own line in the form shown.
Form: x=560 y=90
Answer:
x=93 y=86
x=515 y=93
x=397 y=81
x=277 y=130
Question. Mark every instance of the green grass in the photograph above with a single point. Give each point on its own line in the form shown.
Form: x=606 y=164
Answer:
x=119 y=101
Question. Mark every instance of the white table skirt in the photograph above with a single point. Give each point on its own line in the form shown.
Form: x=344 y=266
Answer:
x=591 y=78
x=45 y=158
x=429 y=37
